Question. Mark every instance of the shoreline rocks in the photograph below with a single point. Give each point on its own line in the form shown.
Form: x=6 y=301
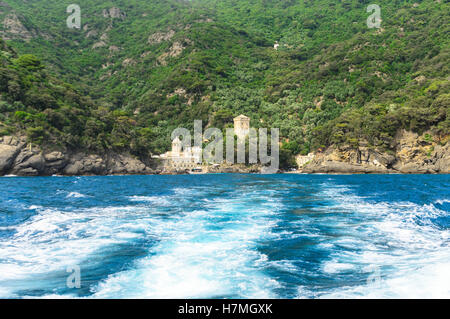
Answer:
x=413 y=155
x=18 y=158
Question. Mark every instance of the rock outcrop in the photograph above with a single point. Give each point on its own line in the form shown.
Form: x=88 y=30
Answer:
x=9 y=150
x=14 y=29
x=412 y=154
x=19 y=158
x=159 y=37
x=421 y=154
x=175 y=50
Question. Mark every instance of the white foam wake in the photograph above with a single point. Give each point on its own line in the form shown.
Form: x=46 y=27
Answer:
x=52 y=240
x=75 y=195
x=203 y=254
x=395 y=243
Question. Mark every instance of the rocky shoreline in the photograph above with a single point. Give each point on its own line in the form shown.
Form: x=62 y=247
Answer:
x=19 y=158
x=413 y=155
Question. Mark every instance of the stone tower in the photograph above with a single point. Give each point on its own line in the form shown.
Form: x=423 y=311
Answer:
x=176 y=147
x=241 y=126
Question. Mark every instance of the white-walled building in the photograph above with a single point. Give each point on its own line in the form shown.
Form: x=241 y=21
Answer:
x=181 y=159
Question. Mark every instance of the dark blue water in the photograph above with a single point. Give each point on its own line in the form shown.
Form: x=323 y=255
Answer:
x=226 y=236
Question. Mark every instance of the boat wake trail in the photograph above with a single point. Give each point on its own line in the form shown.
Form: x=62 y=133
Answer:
x=208 y=252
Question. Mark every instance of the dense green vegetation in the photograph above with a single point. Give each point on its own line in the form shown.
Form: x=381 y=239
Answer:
x=160 y=64
x=53 y=113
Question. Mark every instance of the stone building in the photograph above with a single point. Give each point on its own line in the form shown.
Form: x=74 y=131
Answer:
x=241 y=126
x=190 y=158
x=181 y=159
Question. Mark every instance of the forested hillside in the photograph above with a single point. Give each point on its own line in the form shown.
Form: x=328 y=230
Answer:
x=139 y=69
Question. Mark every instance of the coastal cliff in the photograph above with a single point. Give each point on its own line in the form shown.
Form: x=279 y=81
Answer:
x=411 y=154
x=17 y=157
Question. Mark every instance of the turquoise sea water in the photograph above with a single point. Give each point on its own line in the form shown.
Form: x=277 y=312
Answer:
x=226 y=236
